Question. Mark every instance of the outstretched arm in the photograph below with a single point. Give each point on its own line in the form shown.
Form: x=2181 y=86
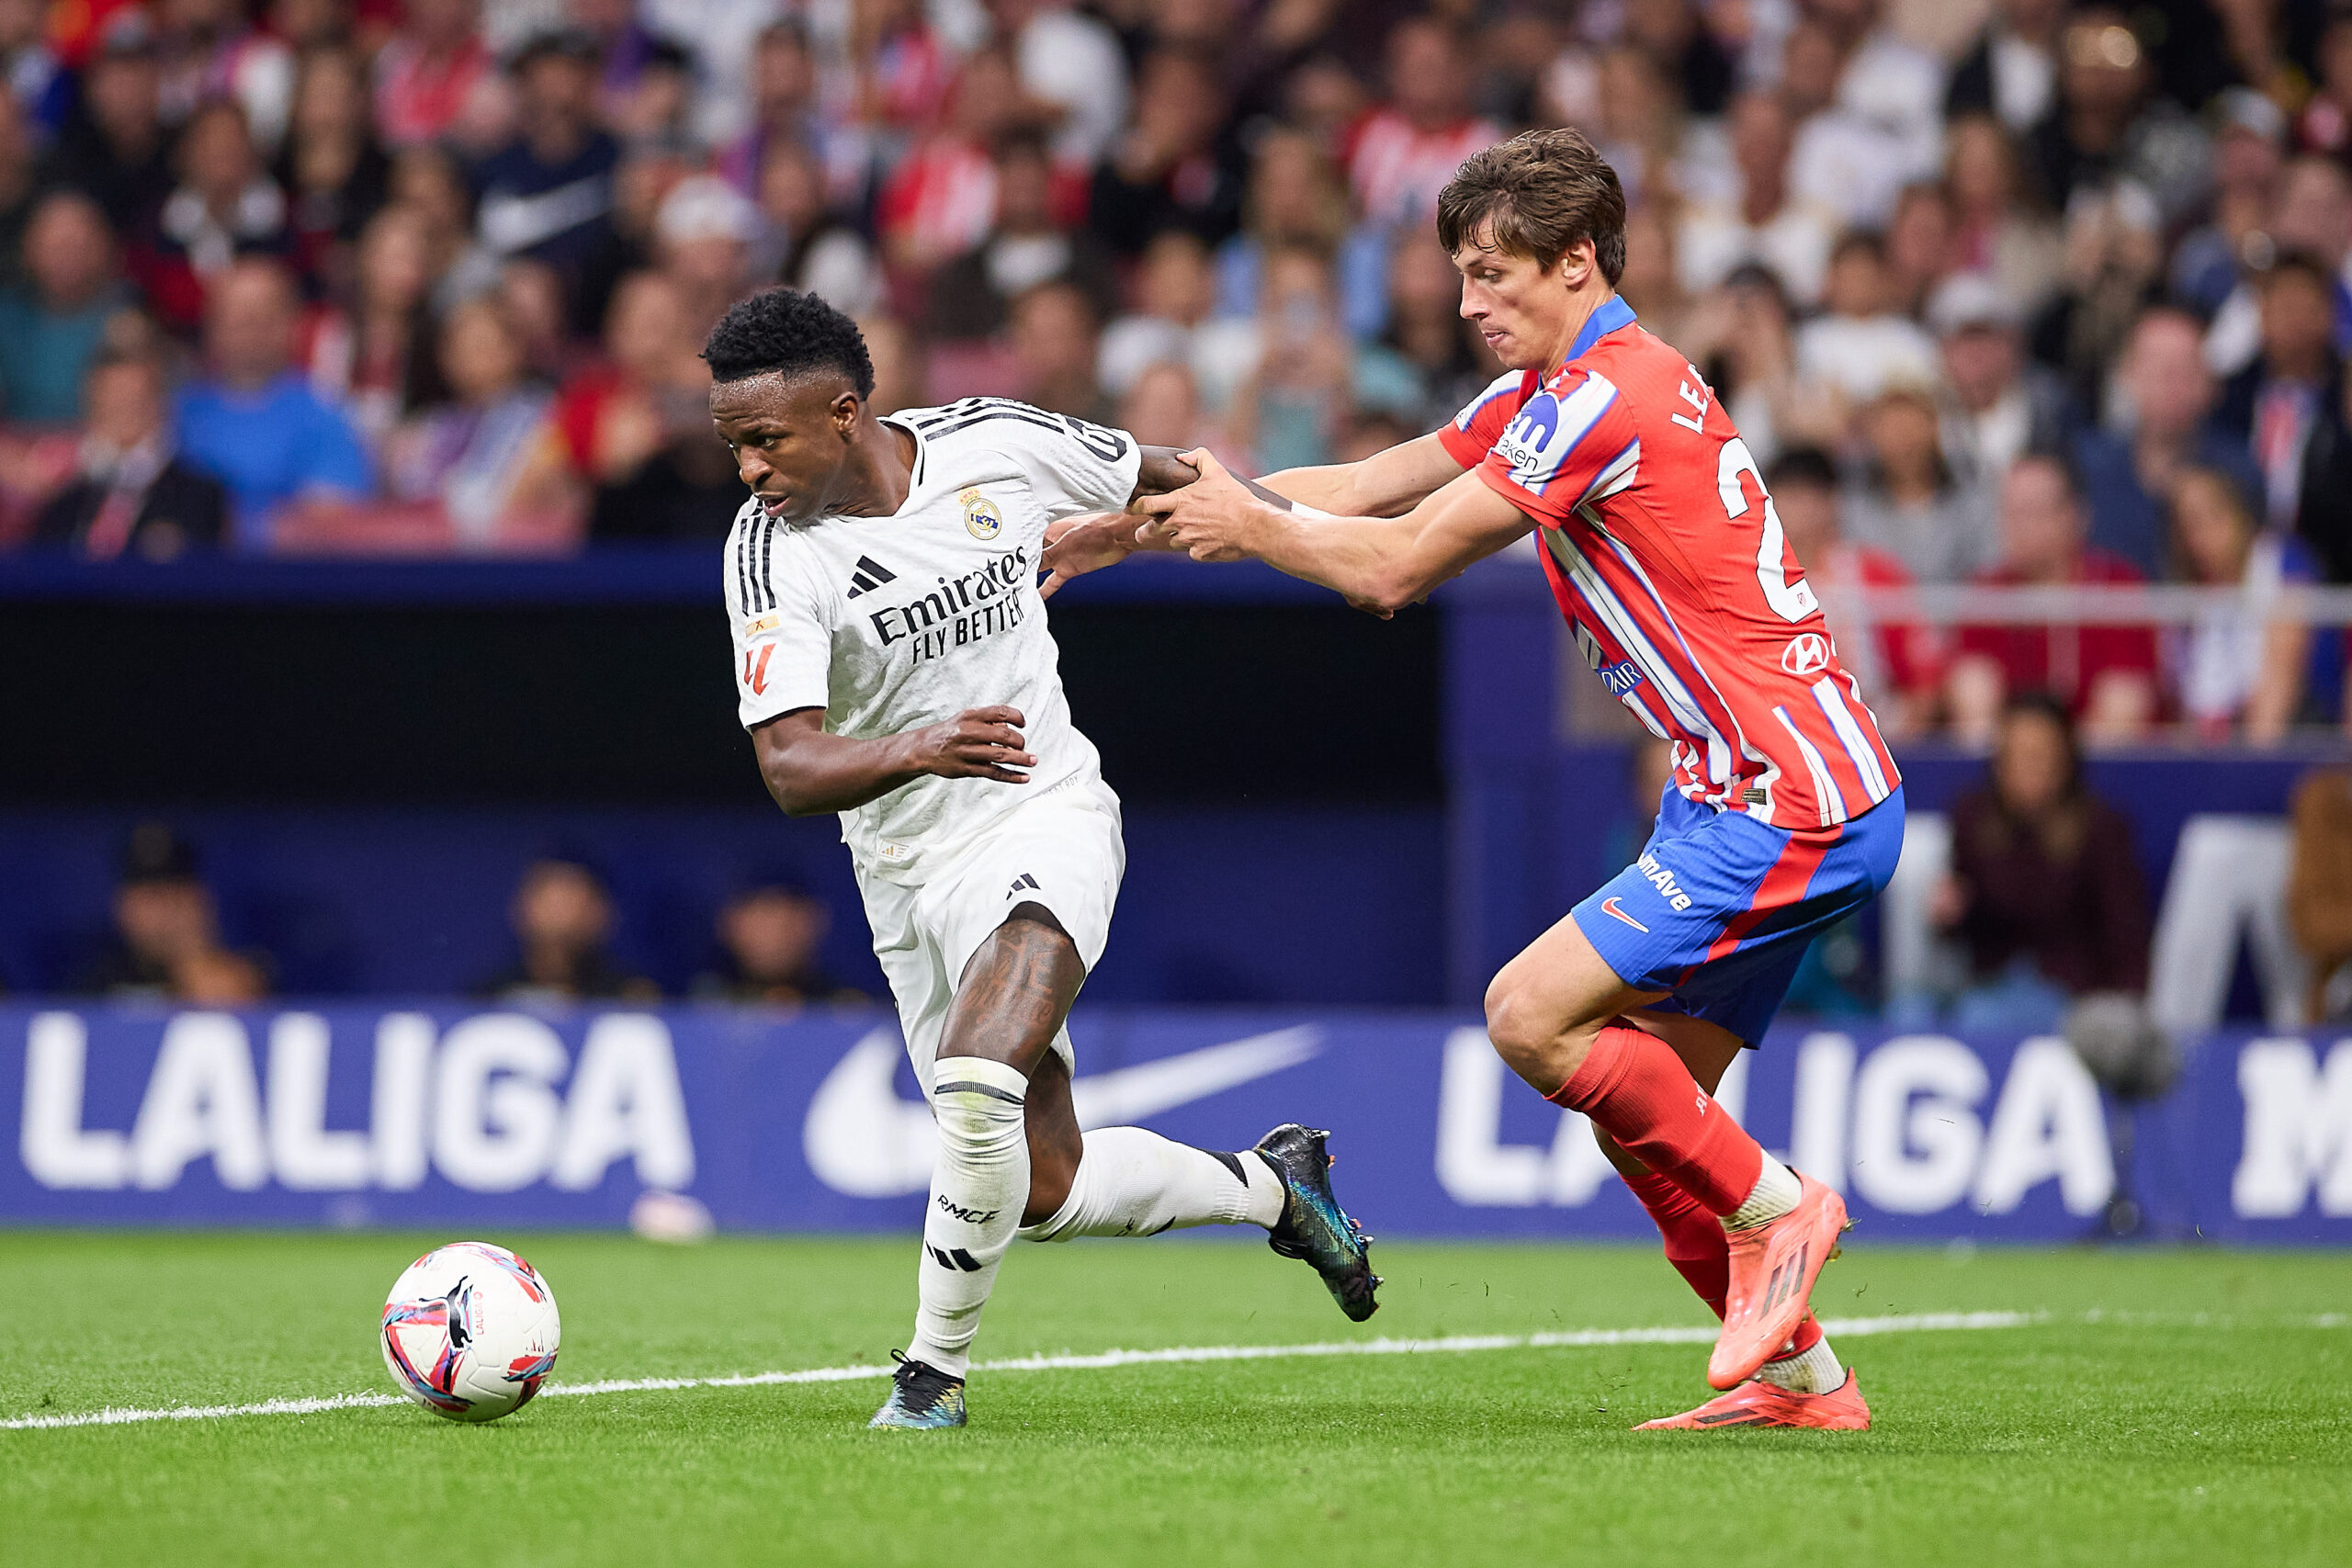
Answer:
x=1380 y=563
x=809 y=771
x=1382 y=485
x=1077 y=545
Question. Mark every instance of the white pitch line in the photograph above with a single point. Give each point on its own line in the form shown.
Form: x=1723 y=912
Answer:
x=1583 y=1339
x=1574 y=1339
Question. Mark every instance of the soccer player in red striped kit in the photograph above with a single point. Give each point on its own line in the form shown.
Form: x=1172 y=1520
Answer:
x=1667 y=559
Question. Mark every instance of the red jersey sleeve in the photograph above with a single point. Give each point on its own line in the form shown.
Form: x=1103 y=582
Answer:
x=1573 y=442
x=1481 y=422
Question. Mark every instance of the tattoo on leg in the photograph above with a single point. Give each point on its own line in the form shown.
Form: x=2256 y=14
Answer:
x=1015 y=992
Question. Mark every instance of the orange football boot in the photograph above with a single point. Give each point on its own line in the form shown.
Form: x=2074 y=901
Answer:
x=1760 y=1404
x=1773 y=1267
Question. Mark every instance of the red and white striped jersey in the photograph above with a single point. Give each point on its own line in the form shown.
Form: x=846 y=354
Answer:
x=1667 y=557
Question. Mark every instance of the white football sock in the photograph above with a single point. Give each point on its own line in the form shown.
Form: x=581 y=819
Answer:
x=1774 y=1194
x=1131 y=1182
x=977 y=1190
x=1818 y=1371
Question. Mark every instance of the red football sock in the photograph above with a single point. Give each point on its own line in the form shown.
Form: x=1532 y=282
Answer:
x=1695 y=1243
x=1637 y=1090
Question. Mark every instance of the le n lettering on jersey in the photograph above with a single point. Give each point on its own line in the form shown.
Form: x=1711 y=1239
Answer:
x=1665 y=552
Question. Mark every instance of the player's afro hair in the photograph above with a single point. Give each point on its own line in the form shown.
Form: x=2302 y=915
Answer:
x=779 y=330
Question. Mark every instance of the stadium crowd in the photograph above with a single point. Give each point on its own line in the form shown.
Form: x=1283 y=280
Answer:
x=2008 y=292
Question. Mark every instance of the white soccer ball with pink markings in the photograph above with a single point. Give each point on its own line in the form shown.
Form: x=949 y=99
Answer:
x=470 y=1331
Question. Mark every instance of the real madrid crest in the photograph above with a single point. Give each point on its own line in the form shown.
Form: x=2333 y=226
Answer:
x=981 y=519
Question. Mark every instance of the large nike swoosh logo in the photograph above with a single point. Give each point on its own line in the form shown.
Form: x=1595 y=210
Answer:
x=862 y=1141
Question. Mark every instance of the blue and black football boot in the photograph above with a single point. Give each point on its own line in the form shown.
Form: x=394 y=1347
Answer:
x=1314 y=1226
x=922 y=1397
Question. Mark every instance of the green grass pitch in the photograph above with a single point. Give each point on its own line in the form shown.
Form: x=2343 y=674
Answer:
x=2173 y=1407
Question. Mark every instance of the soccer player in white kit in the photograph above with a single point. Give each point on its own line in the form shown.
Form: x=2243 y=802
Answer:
x=893 y=665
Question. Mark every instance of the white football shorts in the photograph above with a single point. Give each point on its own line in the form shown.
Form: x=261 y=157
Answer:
x=1062 y=850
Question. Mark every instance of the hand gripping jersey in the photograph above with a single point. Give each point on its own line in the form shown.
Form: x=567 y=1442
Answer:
x=889 y=624
x=1665 y=554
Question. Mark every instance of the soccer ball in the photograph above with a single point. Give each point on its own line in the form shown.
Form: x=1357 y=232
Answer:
x=470 y=1331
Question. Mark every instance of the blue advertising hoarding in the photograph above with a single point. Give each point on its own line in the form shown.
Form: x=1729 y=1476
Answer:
x=458 y=1117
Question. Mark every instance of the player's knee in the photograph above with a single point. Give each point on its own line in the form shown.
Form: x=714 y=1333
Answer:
x=1530 y=1038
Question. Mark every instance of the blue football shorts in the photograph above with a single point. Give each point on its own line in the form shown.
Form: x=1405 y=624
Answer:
x=1719 y=909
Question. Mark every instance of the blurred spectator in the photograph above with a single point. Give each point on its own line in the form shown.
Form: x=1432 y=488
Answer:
x=1762 y=221
x=2106 y=674
x=628 y=49
x=2011 y=71
x=941 y=201
x=427 y=182
x=1163 y=408
x=1858 y=345
x=785 y=112
x=211 y=50
x=114 y=146
x=899 y=369
x=1430 y=363
x=562 y=920
x=489 y=455
x=1025 y=247
x=226 y=207
x=1293 y=406
x=2111 y=130
x=166 y=941
x=1921 y=252
x=703 y=238
x=1846 y=158
x=1739 y=337
x=2247 y=156
x=2045 y=890
x=2311 y=213
x=639 y=425
x=1650 y=283
x=769 y=940
x=333 y=174
x=1294 y=197
x=2295 y=387
x=131 y=494
x=51 y=329
x=1401 y=155
x=1054 y=352
x=252 y=421
x=1072 y=63
x=1909 y=502
x=1172 y=322
x=801 y=244
x=1885 y=82
x=18 y=184
x=2323 y=514
x=549 y=193
x=2129 y=474
x=532 y=295
x=659 y=95
x=2326 y=123
x=2236 y=665
x=1998 y=404
x=1173 y=169
x=2001 y=228
x=435 y=78
x=31 y=73
x=1898 y=663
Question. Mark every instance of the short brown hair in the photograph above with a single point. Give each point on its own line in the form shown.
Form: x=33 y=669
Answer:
x=1542 y=191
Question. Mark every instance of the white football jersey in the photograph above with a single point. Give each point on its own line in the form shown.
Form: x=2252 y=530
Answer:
x=889 y=624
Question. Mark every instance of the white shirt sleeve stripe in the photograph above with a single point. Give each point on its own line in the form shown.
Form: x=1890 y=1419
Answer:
x=1850 y=735
x=1825 y=788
